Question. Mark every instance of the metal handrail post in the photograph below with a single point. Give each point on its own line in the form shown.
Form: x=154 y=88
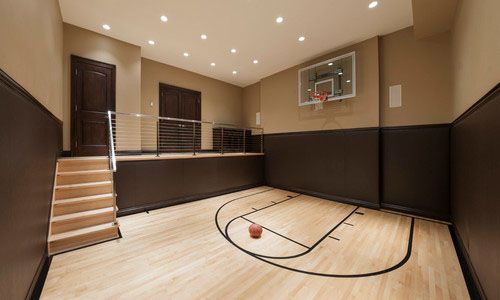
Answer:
x=194 y=139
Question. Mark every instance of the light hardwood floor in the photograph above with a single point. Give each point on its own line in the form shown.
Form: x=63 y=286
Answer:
x=179 y=253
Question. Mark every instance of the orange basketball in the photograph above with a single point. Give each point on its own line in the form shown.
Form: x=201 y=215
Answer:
x=255 y=231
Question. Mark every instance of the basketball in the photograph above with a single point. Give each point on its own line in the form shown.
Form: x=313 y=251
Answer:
x=255 y=231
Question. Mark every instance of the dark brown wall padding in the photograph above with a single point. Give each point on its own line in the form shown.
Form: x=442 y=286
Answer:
x=144 y=185
x=341 y=165
x=30 y=139
x=415 y=170
x=475 y=177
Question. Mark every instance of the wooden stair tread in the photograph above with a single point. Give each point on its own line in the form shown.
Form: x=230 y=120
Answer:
x=84 y=172
x=82 y=214
x=83 y=158
x=83 y=185
x=85 y=198
x=73 y=233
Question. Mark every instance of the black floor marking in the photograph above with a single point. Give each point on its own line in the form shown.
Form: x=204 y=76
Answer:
x=261 y=257
x=273 y=202
x=348 y=224
x=298 y=243
x=359 y=213
x=147 y=211
x=334 y=238
x=254 y=208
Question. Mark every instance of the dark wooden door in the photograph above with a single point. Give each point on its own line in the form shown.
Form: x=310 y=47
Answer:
x=179 y=103
x=92 y=95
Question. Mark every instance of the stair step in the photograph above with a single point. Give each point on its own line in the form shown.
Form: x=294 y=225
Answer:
x=74 y=177
x=83 y=164
x=82 y=237
x=83 y=189
x=79 y=220
x=79 y=204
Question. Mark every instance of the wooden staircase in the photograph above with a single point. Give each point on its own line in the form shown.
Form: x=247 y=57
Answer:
x=83 y=205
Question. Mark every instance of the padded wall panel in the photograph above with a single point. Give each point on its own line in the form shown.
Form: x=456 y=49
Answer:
x=340 y=165
x=144 y=185
x=476 y=188
x=415 y=170
x=30 y=140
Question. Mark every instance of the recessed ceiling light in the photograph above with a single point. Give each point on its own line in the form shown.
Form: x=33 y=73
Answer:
x=348 y=81
x=301 y=39
x=151 y=42
x=164 y=18
x=255 y=61
x=203 y=36
x=235 y=72
x=106 y=26
x=330 y=64
x=373 y=4
x=279 y=20
x=185 y=54
x=233 y=50
x=212 y=64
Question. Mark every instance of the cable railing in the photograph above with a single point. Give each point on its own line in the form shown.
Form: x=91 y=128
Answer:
x=139 y=134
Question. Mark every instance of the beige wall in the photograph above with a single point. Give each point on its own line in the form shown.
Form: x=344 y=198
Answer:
x=31 y=50
x=251 y=104
x=475 y=52
x=423 y=68
x=279 y=104
x=126 y=57
x=220 y=101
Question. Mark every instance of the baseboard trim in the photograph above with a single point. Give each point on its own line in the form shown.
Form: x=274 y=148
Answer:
x=470 y=276
x=415 y=212
x=36 y=287
x=171 y=202
x=327 y=196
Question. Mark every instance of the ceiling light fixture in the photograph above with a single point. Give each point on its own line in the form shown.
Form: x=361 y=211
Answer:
x=203 y=36
x=151 y=42
x=234 y=72
x=279 y=20
x=255 y=61
x=212 y=64
x=348 y=81
x=233 y=50
x=330 y=64
x=185 y=54
x=301 y=39
x=373 y=4
x=164 y=18
x=106 y=26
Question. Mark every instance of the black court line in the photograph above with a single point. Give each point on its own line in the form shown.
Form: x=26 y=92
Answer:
x=290 y=256
x=254 y=208
x=261 y=258
x=359 y=213
x=298 y=243
x=348 y=224
x=334 y=238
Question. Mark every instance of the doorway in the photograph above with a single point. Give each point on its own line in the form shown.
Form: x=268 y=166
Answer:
x=92 y=95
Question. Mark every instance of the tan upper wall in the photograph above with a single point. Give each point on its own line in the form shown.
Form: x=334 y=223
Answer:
x=31 y=32
x=475 y=52
x=432 y=17
x=220 y=101
x=126 y=57
x=423 y=68
x=279 y=104
x=251 y=104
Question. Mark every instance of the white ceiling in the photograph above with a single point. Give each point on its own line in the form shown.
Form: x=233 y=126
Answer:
x=247 y=25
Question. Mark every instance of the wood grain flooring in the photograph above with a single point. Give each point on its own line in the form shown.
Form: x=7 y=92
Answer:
x=178 y=252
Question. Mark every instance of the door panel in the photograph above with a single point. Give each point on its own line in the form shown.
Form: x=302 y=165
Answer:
x=92 y=95
x=180 y=103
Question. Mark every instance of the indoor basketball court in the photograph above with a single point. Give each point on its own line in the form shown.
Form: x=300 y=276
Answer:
x=246 y=149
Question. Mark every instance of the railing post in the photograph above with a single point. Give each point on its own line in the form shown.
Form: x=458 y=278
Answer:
x=262 y=141
x=194 y=138
x=157 y=138
x=222 y=140
x=244 y=141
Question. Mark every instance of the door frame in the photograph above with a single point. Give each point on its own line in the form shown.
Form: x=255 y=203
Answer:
x=73 y=109
x=169 y=86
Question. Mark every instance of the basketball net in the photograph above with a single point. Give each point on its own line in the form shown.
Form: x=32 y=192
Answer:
x=319 y=96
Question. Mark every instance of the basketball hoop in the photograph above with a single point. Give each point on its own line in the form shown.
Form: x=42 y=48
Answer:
x=318 y=96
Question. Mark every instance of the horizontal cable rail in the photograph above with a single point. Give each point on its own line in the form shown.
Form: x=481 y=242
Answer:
x=131 y=134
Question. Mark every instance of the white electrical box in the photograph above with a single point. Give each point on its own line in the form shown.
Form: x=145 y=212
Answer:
x=395 y=96
x=257 y=118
